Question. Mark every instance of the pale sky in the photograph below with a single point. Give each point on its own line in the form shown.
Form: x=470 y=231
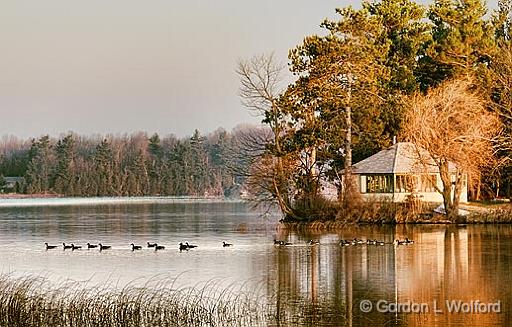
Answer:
x=116 y=66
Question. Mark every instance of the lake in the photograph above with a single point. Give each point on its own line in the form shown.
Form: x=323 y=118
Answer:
x=448 y=268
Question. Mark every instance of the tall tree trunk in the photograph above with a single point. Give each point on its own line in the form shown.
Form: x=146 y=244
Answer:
x=447 y=189
x=478 y=188
x=348 y=140
x=456 y=193
x=348 y=182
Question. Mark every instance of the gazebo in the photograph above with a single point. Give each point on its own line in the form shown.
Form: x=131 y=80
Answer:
x=396 y=172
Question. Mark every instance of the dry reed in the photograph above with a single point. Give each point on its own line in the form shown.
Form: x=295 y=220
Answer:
x=34 y=301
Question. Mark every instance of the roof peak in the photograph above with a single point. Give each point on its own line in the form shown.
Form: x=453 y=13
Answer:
x=401 y=157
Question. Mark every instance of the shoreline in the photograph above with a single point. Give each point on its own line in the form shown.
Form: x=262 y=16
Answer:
x=53 y=200
x=29 y=196
x=499 y=215
x=503 y=217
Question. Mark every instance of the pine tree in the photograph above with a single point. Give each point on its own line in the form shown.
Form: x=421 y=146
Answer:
x=337 y=97
x=39 y=167
x=103 y=167
x=64 y=172
x=462 y=41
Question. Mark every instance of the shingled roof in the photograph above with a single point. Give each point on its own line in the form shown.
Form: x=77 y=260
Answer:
x=401 y=158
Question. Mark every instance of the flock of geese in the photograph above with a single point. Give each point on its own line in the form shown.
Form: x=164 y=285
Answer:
x=101 y=247
x=357 y=241
x=354 y=241
x=186 y=246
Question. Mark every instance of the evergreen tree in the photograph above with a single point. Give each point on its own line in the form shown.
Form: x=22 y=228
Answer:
x=220 y=161
x=64 y=174
x=200 y=179
x=336 y=100
x=103 y=166
x=462 y=41
x=498 y=86
x=39 y=167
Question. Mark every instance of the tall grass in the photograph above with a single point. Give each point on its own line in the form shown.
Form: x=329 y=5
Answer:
x=34 y=301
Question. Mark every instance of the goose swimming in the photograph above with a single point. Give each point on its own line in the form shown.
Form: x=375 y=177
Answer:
x=49 y=247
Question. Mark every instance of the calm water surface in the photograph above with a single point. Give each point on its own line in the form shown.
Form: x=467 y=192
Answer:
x=446 y=263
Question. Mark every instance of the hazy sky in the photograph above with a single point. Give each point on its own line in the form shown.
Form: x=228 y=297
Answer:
x=167 y=66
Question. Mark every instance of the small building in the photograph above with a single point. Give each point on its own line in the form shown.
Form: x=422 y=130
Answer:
x=12 y=184
x=397 y=172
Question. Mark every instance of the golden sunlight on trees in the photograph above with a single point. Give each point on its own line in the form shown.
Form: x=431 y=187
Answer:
x=351 y=89
x=452 y=124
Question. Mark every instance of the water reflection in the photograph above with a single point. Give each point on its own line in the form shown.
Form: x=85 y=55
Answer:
x=308 y=285
x=447 y=263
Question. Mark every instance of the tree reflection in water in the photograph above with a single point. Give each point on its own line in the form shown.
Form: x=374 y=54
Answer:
x=325 y=284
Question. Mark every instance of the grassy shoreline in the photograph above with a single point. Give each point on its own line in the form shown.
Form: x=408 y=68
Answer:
x=33 y=301
x=388 y=213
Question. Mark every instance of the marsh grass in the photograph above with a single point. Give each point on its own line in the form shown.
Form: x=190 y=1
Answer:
x=34 y=301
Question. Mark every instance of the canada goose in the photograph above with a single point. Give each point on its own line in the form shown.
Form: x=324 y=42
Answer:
x=379 y=242
x=224 y=244
x=398 y=242
x=104 y=247
x=313 y=242
x=75 y=247
x=345 y=243
x=91 y=246
x=159 y=247
x=190 y=246
x=151 y=245
x=183 y=247
x=136 y=247
x=280 y=243
x=64 y=246
x=49 y=247
x=408 y=241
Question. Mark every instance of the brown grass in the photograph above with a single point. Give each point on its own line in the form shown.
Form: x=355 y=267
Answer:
x=33 y=301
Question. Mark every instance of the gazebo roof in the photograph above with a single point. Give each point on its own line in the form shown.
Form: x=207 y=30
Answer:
x=401 y=158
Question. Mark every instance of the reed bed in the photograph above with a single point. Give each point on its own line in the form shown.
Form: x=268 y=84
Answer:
x=34 y=301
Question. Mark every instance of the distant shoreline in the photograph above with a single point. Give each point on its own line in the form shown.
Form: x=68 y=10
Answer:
x=39 y=200
x=29 y=196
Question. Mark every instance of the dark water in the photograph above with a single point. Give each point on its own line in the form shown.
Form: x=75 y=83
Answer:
x=324 y=284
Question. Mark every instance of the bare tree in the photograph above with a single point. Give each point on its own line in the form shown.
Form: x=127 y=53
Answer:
x=453 y=126
x=261 y=81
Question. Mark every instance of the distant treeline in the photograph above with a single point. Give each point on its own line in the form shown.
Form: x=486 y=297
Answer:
x=129 y=165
